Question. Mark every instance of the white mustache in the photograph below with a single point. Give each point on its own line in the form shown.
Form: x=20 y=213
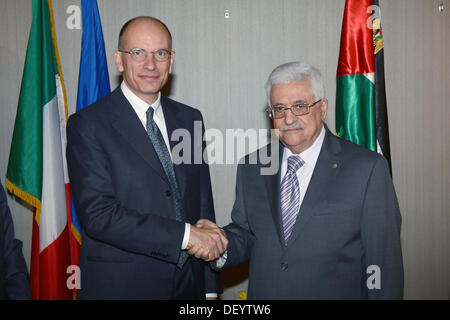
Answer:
x=295 y=125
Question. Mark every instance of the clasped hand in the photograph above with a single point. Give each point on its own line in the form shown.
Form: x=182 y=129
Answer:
x=207 y=241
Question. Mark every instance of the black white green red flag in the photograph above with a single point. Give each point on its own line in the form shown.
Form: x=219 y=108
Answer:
x=361 y=112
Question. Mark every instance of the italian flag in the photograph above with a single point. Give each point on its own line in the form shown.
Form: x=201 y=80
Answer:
x=37 y=171
x=361 y=113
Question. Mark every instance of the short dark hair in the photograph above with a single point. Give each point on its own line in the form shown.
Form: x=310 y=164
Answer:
x=126 y=25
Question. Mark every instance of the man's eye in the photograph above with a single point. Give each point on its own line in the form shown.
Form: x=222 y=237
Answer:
x=161 y=53
x=138 y=53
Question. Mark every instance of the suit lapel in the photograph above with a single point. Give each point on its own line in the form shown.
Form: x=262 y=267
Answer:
x=326 y=170
x=272 y=183
x=126 y=122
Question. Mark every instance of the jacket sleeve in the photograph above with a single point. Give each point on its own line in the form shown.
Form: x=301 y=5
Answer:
x=238 y=231
x=380 y=231
x=14 y=280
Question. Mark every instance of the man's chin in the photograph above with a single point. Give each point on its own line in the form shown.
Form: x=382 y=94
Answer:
x=293 y=145
x=291 y=135
x=149 y=89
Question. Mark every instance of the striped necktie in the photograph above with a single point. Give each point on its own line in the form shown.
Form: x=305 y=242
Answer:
x=290 y=196
x=164 y=157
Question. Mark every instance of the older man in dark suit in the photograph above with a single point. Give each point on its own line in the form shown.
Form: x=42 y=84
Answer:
x=135 y=203
x=327 y=224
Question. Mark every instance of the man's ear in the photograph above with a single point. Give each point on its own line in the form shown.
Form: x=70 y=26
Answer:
x=118 y=60
x=324 y=108
x=172 y=60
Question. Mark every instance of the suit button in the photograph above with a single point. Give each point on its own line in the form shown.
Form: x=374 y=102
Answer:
x=284 y=266
x=168 y=193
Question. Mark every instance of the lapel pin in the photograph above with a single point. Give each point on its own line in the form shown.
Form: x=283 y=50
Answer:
x=335 y=165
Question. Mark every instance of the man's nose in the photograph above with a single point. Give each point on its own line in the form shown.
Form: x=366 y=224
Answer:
x=289 y=118
x=149 y=62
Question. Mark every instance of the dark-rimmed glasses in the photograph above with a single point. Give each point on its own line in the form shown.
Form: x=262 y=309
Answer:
x=298 y=109
x=140 y=55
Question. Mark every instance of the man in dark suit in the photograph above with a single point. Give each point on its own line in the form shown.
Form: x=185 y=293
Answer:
x=327 y=224
x=136 y=205
x=14 y=281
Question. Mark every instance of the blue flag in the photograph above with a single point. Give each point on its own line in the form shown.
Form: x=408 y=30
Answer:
x=93 y=78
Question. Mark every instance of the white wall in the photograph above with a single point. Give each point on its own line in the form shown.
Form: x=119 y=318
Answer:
x=221 y=67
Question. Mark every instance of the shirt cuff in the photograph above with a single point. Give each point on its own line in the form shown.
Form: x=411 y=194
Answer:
x=187 y=233
x=220 y=262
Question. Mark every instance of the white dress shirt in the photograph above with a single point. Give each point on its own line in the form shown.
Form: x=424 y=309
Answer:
x=141 y=107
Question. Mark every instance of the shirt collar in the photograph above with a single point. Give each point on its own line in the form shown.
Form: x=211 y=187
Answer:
x=310 y=155
x=139 y=105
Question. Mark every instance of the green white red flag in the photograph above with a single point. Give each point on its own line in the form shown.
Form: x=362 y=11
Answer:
x=37 y=170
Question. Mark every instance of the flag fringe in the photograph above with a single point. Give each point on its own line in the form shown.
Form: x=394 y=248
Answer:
x=25 y=196
x=76 y=233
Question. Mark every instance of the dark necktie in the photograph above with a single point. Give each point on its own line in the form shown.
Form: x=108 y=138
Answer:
x=164 y=157
x=290 y=196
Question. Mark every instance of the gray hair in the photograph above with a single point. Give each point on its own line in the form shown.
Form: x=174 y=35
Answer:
x=296 y=71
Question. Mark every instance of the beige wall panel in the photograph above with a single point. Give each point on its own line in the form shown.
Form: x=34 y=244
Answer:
x=417 y=44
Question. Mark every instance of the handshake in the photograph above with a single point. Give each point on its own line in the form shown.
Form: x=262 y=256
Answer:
x=207 y=241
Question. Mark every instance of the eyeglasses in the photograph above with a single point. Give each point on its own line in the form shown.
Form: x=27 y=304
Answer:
x=298 y=109
x=140 y=55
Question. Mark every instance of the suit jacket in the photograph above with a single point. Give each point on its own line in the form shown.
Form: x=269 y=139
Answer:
x=131 y=241
x=349 y=220
x=14 y=280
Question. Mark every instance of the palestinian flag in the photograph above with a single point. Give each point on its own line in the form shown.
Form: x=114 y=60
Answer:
x=37 y=171
x=361 y=113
